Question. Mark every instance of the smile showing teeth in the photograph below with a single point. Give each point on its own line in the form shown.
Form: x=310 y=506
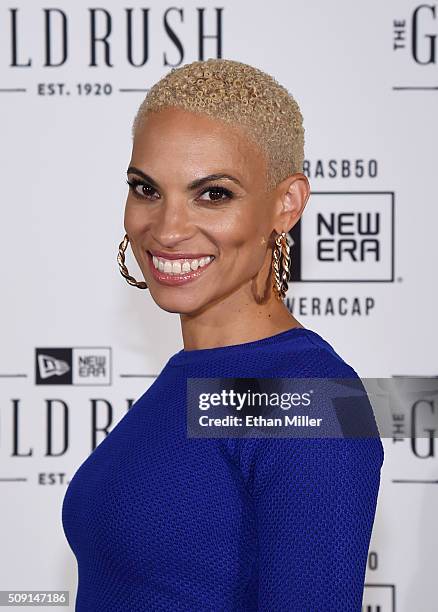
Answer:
x=179 y=266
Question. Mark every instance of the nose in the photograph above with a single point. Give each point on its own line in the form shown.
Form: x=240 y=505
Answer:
x=171 y=224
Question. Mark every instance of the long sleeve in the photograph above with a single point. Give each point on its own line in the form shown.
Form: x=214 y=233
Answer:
x=315 y=503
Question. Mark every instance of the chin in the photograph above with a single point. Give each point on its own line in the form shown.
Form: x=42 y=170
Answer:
x=179 y=304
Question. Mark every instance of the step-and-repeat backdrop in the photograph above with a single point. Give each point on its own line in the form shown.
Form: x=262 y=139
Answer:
x=79 y=345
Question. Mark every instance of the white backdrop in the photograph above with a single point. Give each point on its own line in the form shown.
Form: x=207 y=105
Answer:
x=366 y=77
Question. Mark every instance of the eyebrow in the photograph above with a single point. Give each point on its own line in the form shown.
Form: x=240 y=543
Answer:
x=194 y=184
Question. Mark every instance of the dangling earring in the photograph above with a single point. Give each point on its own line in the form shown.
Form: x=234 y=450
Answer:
x=123 y=269
x=281 y=265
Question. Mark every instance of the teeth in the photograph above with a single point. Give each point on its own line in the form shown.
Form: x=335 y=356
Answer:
x=179 y=266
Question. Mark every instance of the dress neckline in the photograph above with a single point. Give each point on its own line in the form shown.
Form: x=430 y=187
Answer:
x=190 y=356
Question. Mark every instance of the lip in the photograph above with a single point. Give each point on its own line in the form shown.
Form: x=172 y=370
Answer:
x=175 y=280
x=178 y=255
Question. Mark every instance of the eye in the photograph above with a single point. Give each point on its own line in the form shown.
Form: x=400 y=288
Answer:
x=217 y=194
x=140 y=189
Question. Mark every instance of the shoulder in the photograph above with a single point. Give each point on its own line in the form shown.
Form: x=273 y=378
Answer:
x=307 y=354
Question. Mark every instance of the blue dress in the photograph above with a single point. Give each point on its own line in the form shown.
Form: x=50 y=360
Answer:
x=159 y=521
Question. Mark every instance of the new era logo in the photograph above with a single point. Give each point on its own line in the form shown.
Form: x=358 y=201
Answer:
x=49 y=366
x=73 y=366
x=345 y=237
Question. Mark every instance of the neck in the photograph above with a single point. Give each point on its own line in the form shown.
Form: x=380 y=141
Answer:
x=234 y=322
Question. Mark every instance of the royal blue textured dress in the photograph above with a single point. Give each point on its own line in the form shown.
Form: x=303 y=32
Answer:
x=159 y=521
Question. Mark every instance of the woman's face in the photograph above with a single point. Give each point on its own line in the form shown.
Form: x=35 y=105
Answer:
x=173 y=208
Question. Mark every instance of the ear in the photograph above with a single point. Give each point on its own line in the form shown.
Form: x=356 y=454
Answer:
x=291 y=197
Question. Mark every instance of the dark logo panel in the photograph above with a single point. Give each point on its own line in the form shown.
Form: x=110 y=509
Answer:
x=73 y=366
x=53 y=366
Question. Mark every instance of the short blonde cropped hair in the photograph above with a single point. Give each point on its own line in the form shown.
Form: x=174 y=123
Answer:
x=243 y=96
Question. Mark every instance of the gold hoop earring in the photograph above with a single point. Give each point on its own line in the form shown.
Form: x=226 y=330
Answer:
x=123 y=269
x=281 y=265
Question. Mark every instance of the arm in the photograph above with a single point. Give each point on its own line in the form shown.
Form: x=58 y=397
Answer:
x=315 y=502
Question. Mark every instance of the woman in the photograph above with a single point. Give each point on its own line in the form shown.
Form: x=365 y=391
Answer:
x=163 y=521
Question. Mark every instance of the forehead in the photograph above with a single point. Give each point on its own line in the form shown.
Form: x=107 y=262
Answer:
x=188 y=143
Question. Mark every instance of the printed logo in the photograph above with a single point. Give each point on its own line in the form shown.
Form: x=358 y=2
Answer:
x=415 y=49
x=142 y=35
x=73 y=366
x=379 y=598
x=417 y=34
x=414 y=414
x=345 y=237
x=131 y=38
x=49 y=366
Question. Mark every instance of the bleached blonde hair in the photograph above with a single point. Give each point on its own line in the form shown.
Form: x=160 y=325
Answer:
x=242 y=96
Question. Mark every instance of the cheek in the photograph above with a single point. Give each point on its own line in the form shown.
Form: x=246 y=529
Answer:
x=243 y=248
x=133 y=220
x=134 y=224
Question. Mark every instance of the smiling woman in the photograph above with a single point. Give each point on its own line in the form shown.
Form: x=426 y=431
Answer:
x=200 y=181
x=161 y=520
